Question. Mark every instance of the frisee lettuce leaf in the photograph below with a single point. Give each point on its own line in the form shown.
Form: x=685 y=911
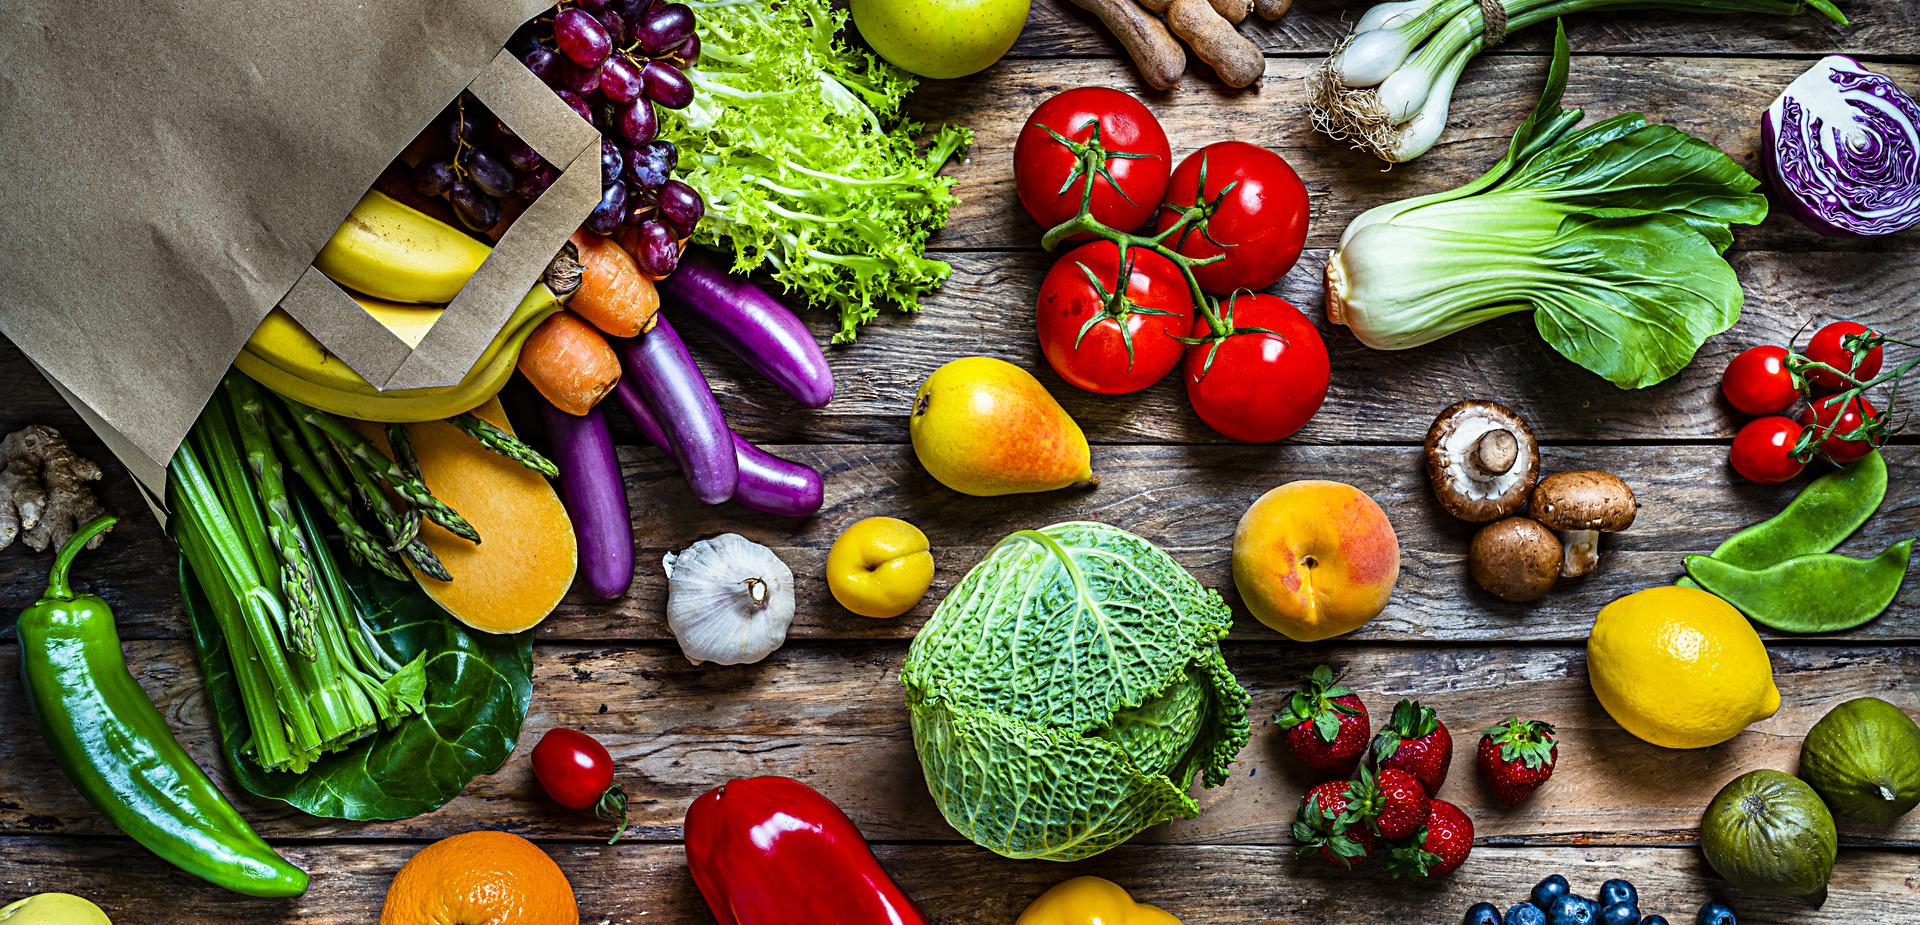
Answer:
x=1612 y=235
x=809 y=168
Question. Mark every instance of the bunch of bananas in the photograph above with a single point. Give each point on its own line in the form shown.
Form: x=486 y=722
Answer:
x=398 y=261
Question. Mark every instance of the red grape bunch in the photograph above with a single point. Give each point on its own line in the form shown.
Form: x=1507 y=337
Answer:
x=484 y=163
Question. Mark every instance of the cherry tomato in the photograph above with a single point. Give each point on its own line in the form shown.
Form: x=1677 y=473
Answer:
x=1051 y=176
x=1757 y=381
x=1827 y=347
x=577 y=773
x=1836 y=446
x=1087 y=341
x=1256 y=386
x=1260 y=223
x=1763 y=450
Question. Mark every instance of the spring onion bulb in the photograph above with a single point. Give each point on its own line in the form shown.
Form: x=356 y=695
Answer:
x=1382 y=78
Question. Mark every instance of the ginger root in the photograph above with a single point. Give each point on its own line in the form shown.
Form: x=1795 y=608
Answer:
x=44 y=496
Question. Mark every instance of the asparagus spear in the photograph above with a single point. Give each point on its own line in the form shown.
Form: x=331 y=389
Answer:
x=296 y=563
x=355 y=447
x=403 y=528
x=360 y=542
x=402 y=445
x=506 y=444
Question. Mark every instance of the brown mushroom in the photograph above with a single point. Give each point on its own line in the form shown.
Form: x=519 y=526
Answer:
x=1515 y=559
x=1581 y=505
x=1482 y=460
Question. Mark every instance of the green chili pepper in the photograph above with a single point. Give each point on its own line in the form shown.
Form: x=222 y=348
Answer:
x=1817 y=520
x=117 y=750
x=1820 y=593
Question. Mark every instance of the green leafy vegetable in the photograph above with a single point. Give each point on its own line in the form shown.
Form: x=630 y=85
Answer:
x=1066 y=693
x=476 y=691
x=1612 y=234
x=808 y=167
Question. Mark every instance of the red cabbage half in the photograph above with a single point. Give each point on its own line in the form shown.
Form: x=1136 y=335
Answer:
x=1842 y=148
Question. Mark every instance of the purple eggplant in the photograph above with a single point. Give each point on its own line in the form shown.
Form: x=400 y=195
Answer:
x=768 y=483
x=752 y=324
x=675 y=390
x=595 y=496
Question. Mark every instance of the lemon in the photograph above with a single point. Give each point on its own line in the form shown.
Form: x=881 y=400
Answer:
x=1679 y=667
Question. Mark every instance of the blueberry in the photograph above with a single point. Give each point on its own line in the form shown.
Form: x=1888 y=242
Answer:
x=1482 y=914
x=1572 y=910
x=1548 y=890
x=1717 y=913
x=1525 y=914
x=1615 y=892
x=1654 y=920
x=1620 y=914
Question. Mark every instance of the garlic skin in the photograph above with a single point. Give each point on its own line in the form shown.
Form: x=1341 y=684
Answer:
x=729 y=600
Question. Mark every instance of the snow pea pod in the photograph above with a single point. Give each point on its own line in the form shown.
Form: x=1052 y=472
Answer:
x=1819 y=593
x=1825 y=513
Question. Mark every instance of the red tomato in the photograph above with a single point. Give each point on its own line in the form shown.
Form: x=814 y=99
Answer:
x=1757 y=381
x=1051 y=176
x=1836 y=446
x=1260 y=224
x=1827 y=347
x=1255 y=386
x=575 y=770
x=1763 y=450
x=1087 y=342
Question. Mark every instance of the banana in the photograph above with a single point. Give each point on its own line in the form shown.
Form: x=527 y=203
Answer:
x=390 y=250
x=280 y=340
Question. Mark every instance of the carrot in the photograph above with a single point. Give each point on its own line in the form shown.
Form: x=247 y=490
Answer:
x=570 y=363
x=613 y=293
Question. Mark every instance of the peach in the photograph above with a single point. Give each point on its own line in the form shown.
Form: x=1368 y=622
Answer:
x=1314 y=559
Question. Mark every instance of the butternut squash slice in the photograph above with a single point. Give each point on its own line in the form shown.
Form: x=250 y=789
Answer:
x=526 y=557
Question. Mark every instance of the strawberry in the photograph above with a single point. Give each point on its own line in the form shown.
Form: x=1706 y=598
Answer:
x=1417 y=742
x=1438 y=849
x=1516 y=756
x=1332 y=822
x=1326 y=725
x=1403 y=805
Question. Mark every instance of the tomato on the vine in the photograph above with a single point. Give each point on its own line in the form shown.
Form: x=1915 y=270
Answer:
x=1105 y=339
x=1828 y=346
x=1758 y=382
x=1265 y=380
x=576 y=771
x=1763 y=450
x=1255 y=211
x=1106 y=131
x=1856 y=413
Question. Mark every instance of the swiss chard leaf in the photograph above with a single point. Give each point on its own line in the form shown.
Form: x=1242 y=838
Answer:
x=478 y=688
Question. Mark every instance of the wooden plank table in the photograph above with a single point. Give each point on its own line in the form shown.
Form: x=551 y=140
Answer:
x=827 y=707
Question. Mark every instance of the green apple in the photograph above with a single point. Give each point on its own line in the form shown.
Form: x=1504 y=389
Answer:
x=941 y=39
x=53 y=909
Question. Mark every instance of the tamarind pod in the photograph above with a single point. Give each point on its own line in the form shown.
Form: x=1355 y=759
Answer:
x=1214 y=40
x=1271 y=9
x=1233 y=11
x=1155 y=53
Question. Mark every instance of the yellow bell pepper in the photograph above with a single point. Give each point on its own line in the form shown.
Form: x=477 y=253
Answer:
x=880 y=567
x=1092 y=901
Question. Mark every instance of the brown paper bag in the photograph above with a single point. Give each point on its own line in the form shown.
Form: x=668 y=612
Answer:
x=174 y=165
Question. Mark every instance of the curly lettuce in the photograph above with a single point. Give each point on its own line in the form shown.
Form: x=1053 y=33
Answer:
x=1067 y=692
x=809 y=169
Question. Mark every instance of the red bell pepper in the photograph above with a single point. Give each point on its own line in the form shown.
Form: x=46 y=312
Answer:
x=773 y=851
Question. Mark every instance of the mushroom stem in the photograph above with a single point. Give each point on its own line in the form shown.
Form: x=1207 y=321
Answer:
x=1582 y=554
x=1495 y=452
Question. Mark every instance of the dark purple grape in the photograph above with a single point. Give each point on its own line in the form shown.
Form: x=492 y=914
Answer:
x=667 y=85
x=582 y=80
x=487 y=173
x=459 y=127
x=689 y=50
x=632 y=10
x=681 y=207
x=640 y=207
x=617 y=29
x=594 y=6
x=544 y=62
x=637 y=122
x=433 y=179
x=520 y=155
x=648 y=165
x=664 y=27
x=610 y=162
x=579 y=105
x=534 y=182
x=605 y=218
x=581 y=37
x=620 y=79
x=658 y=252
x=476 y=209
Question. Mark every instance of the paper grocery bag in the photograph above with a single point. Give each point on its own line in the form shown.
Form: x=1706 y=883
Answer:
x=173 y=166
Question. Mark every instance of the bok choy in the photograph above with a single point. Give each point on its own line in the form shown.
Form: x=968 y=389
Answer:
x=1612 y=234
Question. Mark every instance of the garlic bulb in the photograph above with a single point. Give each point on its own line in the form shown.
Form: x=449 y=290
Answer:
x=729 y=600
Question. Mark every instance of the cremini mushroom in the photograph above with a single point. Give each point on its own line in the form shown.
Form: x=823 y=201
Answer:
x=1482 y=460
x=1515 y=559
x=1581 y=505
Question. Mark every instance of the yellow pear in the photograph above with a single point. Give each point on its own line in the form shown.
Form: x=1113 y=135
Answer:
x=53 y=909
x=986 y=427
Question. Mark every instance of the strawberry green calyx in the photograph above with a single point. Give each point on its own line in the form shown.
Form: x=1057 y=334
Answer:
x=1410 y=721
x=1410 y=860
x=1314 y=703
x=1529 y=742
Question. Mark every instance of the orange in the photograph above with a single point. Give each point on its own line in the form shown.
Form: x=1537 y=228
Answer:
x=480 y=878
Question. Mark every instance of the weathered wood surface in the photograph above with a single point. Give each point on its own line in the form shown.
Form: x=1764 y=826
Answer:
x=643 y=884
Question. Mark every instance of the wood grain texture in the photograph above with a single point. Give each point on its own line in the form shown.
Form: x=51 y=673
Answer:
x=643 y=884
